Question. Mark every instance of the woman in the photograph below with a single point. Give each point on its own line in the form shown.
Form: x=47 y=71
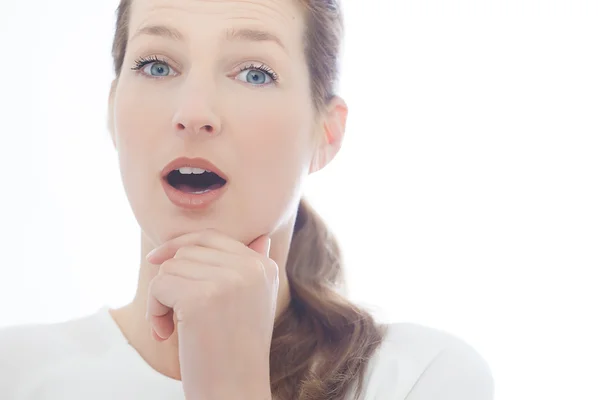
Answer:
x=219 y=111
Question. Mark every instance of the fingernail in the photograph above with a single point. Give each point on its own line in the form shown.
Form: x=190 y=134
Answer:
x=152 y=253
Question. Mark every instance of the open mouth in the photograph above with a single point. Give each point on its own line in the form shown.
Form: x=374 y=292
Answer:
x=194 y=180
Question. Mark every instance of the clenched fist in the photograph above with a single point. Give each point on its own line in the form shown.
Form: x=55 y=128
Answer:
x=222 y=295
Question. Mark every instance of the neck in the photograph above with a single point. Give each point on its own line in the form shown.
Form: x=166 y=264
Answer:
x=164 y=356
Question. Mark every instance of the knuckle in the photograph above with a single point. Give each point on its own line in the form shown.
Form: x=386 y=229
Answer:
x=182 y=252
x=263 y=267
x=212 y=290
x=271 y=269
x=181 y=313
x=167 y=267
x=156 y=284
x=258 y=267
x=210 y=294
x=236 y=281
x=186 y=307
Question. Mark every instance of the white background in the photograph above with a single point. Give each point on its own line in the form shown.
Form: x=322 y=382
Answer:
x=466 y=196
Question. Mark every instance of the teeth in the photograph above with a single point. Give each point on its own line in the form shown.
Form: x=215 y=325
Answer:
x=190 y=170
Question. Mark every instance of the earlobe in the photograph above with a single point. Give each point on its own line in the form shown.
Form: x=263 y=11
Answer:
x=332 y=134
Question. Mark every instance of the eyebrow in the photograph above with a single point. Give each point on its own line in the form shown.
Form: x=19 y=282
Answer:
x=232 y=34
x=160 y=31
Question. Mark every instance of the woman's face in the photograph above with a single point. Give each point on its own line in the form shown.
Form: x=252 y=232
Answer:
x=225 y=81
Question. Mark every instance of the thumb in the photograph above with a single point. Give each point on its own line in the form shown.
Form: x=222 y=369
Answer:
x=261 y=245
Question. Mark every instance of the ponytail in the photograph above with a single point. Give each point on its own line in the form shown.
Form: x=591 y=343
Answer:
x=322 y=342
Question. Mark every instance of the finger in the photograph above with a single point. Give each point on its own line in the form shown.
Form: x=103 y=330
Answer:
x=194 y=271
x=156 y=337
x=164 y=293
x=163 y=327
x=191 y=256
x=208 y=256
x=209 y=238
x=261 y=245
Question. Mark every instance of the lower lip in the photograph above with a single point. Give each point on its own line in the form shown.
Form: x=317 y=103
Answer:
x=191 y=201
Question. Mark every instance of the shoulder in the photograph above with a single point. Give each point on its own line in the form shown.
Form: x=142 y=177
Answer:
x=415 y=362
x=27 y=350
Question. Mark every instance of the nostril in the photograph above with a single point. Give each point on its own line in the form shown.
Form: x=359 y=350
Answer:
x=194 y=129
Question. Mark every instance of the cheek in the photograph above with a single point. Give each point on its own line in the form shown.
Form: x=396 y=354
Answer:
x=273 y=154
x=136 y=122
x=131 y=119
x=275 y=141
x=139 y=118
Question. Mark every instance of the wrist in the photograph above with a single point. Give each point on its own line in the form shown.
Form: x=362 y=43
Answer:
x=252 y=388
x=240 y=394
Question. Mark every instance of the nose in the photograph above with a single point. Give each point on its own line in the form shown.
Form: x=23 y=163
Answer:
x=196 y=116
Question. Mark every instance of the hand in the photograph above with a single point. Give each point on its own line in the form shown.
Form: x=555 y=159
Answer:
x=223 y=296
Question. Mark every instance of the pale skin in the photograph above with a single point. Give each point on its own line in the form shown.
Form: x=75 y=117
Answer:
x=208 y=295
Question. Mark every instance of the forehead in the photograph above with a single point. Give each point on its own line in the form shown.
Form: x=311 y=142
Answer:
x=283 y=18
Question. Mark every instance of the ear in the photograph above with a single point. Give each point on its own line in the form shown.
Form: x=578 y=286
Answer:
x=331 y=132
x=111 y=112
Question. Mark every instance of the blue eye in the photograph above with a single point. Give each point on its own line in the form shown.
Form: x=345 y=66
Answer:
x=255 y=77
x=158 y=68
x=258 y=76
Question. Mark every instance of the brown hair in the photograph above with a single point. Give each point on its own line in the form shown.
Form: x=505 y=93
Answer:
x=322 y=342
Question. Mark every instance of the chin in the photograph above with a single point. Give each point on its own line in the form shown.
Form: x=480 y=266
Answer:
x=164 y=221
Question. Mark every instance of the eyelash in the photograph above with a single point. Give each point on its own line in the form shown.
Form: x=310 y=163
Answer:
x=272 y=74
x=143 y=61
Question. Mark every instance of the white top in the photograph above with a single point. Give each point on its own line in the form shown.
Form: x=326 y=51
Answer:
x=90 y=359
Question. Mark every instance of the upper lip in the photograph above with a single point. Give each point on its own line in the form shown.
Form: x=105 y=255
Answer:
x=194 y=163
